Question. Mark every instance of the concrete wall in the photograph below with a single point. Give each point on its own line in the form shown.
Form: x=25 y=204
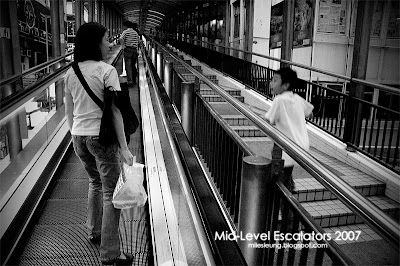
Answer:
x=331 y=51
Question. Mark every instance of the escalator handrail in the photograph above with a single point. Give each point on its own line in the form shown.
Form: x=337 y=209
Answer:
x=34 y=69
x=12 y=103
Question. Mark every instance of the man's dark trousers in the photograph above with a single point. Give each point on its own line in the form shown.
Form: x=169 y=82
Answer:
x=130 y=57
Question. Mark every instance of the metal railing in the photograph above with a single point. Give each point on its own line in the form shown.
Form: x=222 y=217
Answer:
x=223 y=152
x=373 y=130
x=224 y=252
x=209 y=136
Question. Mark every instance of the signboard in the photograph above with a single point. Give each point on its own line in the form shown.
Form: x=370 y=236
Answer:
x=303 y=24
x=5 y=33
x=332 y=16
x=33 y=20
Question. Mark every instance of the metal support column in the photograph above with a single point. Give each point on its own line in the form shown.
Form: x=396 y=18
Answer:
x=62 y=21
x=287 y=34
x=78 y=14
x=10 y=65
x=160 y=71
x=90 y=10
x=187 y=109
x=55 y=28
x=60 y=83
x=353 y=122
x=153 y=55
x=168 y=67
x=248 y=43
x=56 y=47
x=101 y=14
x=256 y=178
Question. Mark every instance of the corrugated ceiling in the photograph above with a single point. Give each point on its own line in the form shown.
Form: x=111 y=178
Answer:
x=150 y=13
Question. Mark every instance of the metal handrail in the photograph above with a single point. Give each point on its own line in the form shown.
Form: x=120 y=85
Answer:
x=372 y=215
x=42 y=66
x=23 y=96
x=350 y=79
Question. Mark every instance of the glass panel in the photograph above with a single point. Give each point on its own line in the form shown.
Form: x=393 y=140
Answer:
x=394 y=21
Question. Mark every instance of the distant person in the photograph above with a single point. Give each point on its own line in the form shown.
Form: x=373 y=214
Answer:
x=101 y=163
x=288 y=113
x=130 y=43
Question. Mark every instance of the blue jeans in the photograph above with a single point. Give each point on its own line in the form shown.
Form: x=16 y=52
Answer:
x=103 y=167
x=130 y=57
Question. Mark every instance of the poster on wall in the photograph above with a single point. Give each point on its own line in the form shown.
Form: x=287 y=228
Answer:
x=33 y=20
x=332 y=16
x=303 y=24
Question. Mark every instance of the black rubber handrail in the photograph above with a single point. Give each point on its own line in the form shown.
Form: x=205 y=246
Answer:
x=34 y=69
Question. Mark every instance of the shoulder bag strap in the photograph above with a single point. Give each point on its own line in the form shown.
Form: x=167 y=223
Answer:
x=86 y=86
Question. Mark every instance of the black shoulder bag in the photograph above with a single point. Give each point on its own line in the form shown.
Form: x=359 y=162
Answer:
x=107 y=135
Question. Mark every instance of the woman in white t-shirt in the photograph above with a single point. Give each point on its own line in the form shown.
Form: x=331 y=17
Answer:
x=84 y=118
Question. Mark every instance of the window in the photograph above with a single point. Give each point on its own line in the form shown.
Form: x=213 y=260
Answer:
x=394 y=20
x=236 y=19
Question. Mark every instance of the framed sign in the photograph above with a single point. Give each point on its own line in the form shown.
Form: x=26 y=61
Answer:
x=332 y=16
x=303 y=24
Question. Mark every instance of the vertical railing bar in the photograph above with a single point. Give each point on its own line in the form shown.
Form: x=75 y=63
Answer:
x=268 y=227
x=377 y=136
x=292 y=251
x=232 y=175
x=210 y=145
x=365 y=131
x=371 y=132
x=389 y=143
x=284 y=210
x=396 y=151
x=207 y=129
x=220 y=158
x=232 y=181
x=274 y=222
x=319 y=256
x=225 y=162
x=237 y=185
x=201 y=129
x=234 y=184
x=342 y=120
x=383 y=139
x=304 y=251
x=215 y=155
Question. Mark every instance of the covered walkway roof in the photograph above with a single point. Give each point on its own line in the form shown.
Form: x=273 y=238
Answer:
x=151 y=13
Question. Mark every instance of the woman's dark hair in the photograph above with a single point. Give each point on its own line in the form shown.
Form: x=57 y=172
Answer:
x=288 y=76
x=87 y=42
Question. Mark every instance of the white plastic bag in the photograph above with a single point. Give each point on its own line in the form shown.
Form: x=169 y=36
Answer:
x=129 y=191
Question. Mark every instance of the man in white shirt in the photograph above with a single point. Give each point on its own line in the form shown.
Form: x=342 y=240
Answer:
x=288 y=113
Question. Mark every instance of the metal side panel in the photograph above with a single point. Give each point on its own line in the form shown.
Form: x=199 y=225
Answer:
x=167 y=243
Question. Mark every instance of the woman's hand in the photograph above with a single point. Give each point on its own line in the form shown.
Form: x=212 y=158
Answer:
x=127 y=155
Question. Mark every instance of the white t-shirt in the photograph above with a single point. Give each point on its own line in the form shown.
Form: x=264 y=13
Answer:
x=86 y=113
x=288 y=113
